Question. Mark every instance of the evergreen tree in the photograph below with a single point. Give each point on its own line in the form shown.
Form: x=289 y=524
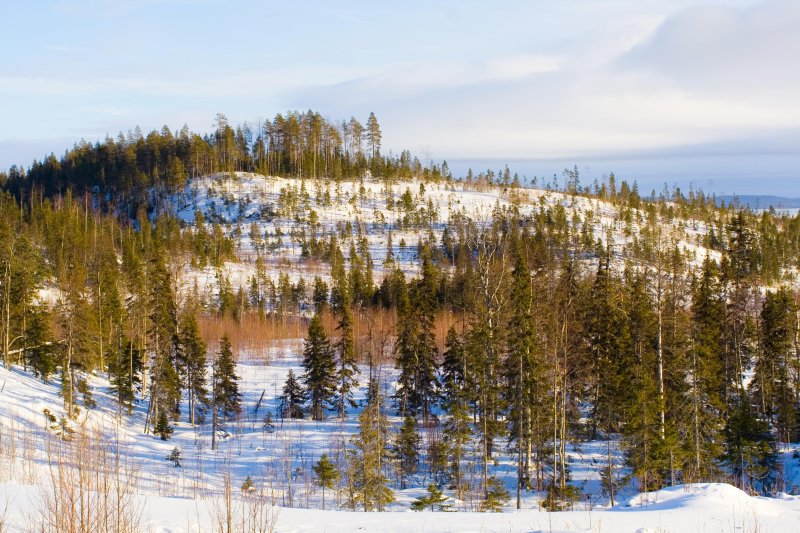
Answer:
x=750 y=450
x=435 y=499
x=416 y=349
x=645 y=446
x=457 y=426
x=370 y=443
x=320 y=368
x=706 y=377
x=406 y=450
x=327 y=475
x=291 y=402
x=347 y=370
x=496 y=496
x=162 y=427
x=226 y=402
x=40 y=353
x=524 y=368
x=609 y=362
x=373 y=135
x=192 y=365
x=165 y=390
x=772 y=385
x=125 y=369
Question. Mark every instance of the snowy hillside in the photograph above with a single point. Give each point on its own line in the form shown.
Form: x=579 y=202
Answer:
x=371 y=209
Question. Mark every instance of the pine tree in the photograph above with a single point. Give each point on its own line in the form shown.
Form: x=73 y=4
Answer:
x=373 y=135
x=291 y=402
x=320 y=368
x=327 y=475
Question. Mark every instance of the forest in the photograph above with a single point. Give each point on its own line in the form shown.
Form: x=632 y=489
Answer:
x=521 y=331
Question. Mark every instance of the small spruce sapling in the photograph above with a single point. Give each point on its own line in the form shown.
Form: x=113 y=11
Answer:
x=435 y=500
x=175 y=457
x=326 y=474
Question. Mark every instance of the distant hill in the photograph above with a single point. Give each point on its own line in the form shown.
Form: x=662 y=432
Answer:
x=761 y=201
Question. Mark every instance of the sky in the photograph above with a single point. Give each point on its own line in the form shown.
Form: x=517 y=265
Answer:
x=678 y=91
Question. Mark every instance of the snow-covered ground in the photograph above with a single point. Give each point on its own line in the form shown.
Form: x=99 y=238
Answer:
x=278 y=454
x=703 y=508
x=239 y=200
x=279 y=460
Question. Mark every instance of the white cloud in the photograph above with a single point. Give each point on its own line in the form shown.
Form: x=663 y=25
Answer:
x=705 y=75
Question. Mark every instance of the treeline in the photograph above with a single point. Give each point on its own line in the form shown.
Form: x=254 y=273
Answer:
x=134 y=170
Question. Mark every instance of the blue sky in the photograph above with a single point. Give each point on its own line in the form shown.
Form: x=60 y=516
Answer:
x=550 y=80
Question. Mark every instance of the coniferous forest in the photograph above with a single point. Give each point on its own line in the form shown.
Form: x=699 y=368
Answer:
x=659 y=329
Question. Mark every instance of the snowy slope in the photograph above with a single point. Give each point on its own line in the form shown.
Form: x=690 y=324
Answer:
x=238 y=200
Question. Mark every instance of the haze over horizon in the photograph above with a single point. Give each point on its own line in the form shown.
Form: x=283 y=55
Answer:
x=658 y=91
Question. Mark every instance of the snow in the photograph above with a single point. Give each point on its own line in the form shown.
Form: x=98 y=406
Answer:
x=189 y=498
x=683 y=509
x=240 y=199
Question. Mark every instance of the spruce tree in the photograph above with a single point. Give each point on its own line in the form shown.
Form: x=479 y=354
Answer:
x=125 y=369
x=327 y=475
x=435 y=499
x=705 y=374
x=415 y=349
x=524 y=368
x=370 y=443
x=225 y=397
x=406 y=450
x=40 y=355
x=457 y=426
x=347 y=371
x=192 y=364
x=750 y=450
x=320 y=369
x=609 y=363
x=645 y=447
x=165 y=389
x=291 y=401
x=772 y=386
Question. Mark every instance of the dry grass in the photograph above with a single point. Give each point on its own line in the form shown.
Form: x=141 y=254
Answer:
x=91 y=488
x=254 y=337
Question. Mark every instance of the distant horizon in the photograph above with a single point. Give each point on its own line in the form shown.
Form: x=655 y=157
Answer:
x=719 y=174
x=722 y=175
